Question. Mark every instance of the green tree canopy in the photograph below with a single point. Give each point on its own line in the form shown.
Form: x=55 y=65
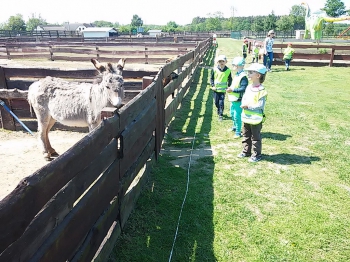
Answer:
x=15 y=23
x=102 y=23
x=270 y=21
x=285 y=23
x=136 y=21
x=334 y=8
x=33 y=22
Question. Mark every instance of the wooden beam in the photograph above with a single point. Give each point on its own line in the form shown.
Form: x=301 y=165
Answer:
x=13 y=94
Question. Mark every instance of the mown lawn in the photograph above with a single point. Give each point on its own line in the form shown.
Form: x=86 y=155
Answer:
x=291 y=206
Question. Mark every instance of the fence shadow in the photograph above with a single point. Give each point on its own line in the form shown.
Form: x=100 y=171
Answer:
x=196 y=232
x=275 y=136
x=289 y=159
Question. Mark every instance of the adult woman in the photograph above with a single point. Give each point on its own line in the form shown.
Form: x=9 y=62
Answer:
x=268 y=51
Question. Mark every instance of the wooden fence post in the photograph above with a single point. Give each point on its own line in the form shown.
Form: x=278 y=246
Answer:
x=146 y=55
x=332 y=57
x=97 y=53
x=6 y=119
x=8 y=53
x=146 y=81
x=51 y=52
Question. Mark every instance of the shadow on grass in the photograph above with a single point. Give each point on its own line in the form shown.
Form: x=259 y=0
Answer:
x=288 y=159
x=275 y=136
x=149 y=232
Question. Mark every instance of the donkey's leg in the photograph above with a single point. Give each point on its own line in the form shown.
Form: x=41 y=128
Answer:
x=51 y=151
x=43 y=123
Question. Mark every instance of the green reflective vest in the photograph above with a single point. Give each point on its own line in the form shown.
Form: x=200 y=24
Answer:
x=220 y=79
x=232 y=96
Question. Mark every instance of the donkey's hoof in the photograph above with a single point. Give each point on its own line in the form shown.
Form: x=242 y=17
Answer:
x=54 y=154
x=47 y=157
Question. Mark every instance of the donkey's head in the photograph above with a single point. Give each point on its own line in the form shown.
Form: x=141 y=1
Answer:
x=112 y=80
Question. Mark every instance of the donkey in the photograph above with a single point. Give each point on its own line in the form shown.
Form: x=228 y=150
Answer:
x=72 y=103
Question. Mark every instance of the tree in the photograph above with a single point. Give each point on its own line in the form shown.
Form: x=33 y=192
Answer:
x=15 y=23
x=136 y=21
x=329 y=29
x=334 y=8
x=102 y=23
x=270 y=21
x=297 y=10
x=285 y=23
x=170 y=27
x=33 y=22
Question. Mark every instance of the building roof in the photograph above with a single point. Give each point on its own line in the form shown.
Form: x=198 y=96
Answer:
x=74 y=26
x=100 y=29
x=52 y=27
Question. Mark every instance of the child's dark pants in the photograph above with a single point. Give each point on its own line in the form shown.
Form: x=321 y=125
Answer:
x=252 y=139
x=219 y=99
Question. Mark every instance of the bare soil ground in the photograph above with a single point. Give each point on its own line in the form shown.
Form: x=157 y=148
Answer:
x=19 y=152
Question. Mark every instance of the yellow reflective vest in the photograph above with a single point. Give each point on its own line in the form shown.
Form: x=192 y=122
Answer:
x=221 y=79
x=232 y=96
x=256 y=116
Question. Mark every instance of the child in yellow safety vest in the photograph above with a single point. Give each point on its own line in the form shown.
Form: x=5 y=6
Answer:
x=255 y=53
x=220 y=79
x=253 y=105
x=235 y=93
x=288 y=55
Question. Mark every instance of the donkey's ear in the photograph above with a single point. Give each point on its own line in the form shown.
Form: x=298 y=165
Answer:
x=110 y=68
x=98 y=65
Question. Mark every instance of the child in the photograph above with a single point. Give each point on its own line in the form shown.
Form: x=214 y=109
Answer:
x=235 y=93
x=220 y=79
x=253 y=104
x=245 y=48
x=288 y=55
x=255 y=53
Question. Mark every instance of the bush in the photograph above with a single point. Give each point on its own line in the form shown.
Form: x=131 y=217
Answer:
x=323 y=51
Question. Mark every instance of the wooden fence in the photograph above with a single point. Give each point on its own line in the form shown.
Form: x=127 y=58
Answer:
x=135 y=52
x=74 y=207
x=312 y=54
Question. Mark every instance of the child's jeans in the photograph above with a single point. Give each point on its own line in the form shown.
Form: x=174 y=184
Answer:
x=236 y=112
x=252 y=139
x=219 y=99
x=287 y=63
x=268 y=60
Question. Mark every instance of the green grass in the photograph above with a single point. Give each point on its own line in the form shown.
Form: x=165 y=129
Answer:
x=292 y=206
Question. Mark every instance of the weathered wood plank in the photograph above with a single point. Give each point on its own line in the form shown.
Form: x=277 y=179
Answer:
x=133 y=153
x=58 y=207
x=135 y=128
x=129 y=199
x=13 y=94
x=24 y=202
x=69 y=235
x=77 y=73
x=129 y=112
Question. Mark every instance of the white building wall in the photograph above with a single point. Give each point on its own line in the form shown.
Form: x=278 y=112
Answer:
x=95 y=34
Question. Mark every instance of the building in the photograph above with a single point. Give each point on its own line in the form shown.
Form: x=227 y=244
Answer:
x=92 y=32
x=299 y=34
x=77 y=27
x=155 y=32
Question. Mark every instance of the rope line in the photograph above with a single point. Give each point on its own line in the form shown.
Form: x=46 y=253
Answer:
x=183 y=202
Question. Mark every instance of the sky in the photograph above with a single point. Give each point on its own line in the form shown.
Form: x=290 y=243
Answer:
x=158 y=12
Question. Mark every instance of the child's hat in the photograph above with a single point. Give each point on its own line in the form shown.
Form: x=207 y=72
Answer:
x=221 y=58
x=238 y=61
x=261 y=69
